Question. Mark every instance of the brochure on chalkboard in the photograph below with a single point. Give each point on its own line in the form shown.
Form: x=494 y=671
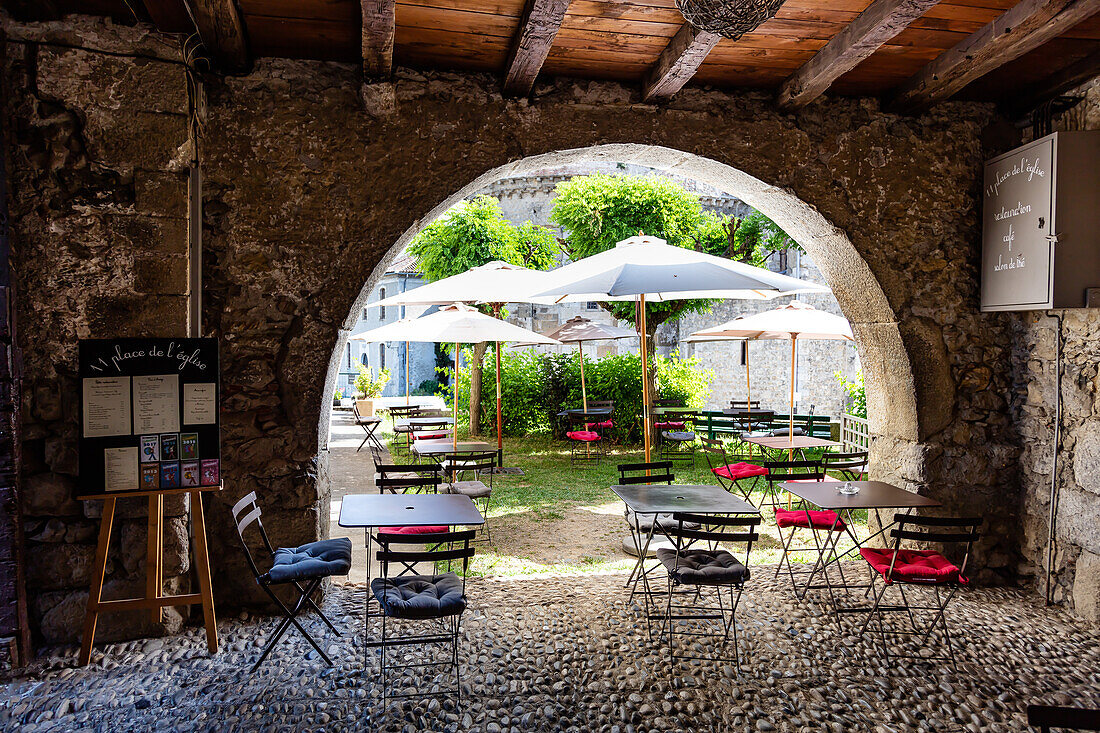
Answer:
x=149 y=414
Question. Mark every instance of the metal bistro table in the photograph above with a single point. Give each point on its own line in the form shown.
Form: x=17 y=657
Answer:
x=872 y=496
x=440 y=446
x=370 y=511
x=658 y=499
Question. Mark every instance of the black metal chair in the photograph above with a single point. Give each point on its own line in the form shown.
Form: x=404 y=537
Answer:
x=1045 y=717
x=851 y=466
x=402 y=412
x=745 y=405
x=369 y=425
x=404 y=478
x=584 y=444
x=481 y=493
x=693 y=570
x=603 y=425
x=434 y=601
x=303 y=568
x=732 y=475
x=927 y=569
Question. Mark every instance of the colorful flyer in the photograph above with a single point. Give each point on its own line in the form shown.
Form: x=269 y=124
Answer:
x=150 y=475
x=150 y=448
x=189 y=473
x=210 y=472
x=189 y=445
x=169 y=475
x=170 y=447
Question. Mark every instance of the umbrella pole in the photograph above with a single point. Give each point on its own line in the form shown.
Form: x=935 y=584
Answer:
x=790 y=427
x=500 y=427
x=454 y=425
x=406 y=374
x=645 y=377
x=584 y=391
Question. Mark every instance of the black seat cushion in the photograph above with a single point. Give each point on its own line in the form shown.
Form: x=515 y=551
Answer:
x=314 y=560
x=703 y=567
x=420 y=596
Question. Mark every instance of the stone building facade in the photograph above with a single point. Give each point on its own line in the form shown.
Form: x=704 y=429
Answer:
x=304 y=166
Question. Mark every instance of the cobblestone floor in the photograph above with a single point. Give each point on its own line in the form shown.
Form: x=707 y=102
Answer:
x=572 y=654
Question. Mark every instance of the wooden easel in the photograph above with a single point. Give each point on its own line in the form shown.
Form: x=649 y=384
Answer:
x=154 y=599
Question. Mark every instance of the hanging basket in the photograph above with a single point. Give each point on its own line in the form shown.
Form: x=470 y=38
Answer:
x=728 y=18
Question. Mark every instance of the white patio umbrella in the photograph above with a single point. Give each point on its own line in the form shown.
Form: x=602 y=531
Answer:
x=457 y=324
x=494 y=283
x=794 y=321
x=579 y=329
x=647 y=267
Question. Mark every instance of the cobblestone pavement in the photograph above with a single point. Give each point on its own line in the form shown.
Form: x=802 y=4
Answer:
x=572 y=654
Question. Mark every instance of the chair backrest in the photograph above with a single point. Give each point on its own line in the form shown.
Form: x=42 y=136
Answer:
x=433 y=428
x=851 y=465
x=713 y=529
x=1045 y=717
x=434 y=548
x=397 y=411
x=715 y=452
x=245 y=512
x=660 y=472
x=377 y=455
x=932 y=529
x=779 y=471
x=401 y=478
x=479 y=463
x=581 y=420
x=601 y=404
x=754 y=405
x=748 y=419
x=670 y=402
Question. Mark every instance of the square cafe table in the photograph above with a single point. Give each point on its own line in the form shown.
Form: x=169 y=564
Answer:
x=440 y=446
x=872 y=496
x=664 y=499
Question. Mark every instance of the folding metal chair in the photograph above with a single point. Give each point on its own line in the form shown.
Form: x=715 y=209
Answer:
x=693 y=570
x=407 y=599
x=602 y=426
x=730 y=474
x=584 y=444
x=303 y=567
x=369 y=425
x=481 y=493
x=826 y=528
x=1045 y=717
x=402 y=412
x=851 y=466
x=780 y=472
x=929 y=569
x=678 y=444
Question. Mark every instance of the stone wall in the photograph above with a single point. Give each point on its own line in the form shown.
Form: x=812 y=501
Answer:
x=1076 y=561
x=304 y=169
x=94 y=114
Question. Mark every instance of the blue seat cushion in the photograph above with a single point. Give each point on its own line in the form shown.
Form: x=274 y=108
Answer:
x=420 y=596
x=313 y=560
x=703 y=567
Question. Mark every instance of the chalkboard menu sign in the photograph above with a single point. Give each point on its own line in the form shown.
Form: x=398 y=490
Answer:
x=149 y=414
x=1041 y=224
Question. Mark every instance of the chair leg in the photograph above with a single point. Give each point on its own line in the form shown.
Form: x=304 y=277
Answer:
x=291 y=619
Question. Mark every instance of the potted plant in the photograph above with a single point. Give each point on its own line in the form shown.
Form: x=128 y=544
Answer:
x=369 y=388
x=336 y=397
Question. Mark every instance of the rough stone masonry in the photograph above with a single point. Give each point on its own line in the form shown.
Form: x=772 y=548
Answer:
x=310 y=180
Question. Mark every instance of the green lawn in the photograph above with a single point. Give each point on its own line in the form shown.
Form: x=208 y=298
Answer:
x=550 y=488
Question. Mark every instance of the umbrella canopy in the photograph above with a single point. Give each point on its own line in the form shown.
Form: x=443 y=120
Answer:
x=648 y=267
x=493 y=282
x=651 y=267
x=794 y=321
x=456 y=323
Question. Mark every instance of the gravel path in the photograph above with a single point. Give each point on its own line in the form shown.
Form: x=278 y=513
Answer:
x=570 y=654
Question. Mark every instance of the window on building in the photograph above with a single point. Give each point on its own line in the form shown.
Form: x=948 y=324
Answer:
x=382 y=309
x=363 y=358
x=592 y=305
x=382 y=354
x=744 y=353
x=364 y=314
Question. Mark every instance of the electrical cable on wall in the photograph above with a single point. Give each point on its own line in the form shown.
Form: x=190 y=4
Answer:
x=1053 y=518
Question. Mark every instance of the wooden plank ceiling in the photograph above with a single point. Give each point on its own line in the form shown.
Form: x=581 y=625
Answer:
x=899 y=45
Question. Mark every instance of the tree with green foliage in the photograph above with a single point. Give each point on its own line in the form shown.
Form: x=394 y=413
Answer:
x=599 y=211
x=472 y=234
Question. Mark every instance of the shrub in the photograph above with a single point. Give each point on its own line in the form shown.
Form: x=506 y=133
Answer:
x=428 y=388
x=856 y=400
x=368 y=385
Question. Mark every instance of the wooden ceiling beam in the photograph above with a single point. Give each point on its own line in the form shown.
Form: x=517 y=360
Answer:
x=538 y=27
x=1058 y=84
x=876 y=25
x=222 y=32
x=379 y=24
x=1018 y=30
x=681 y=58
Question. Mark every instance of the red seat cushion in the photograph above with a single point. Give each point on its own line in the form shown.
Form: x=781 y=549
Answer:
x=430 y=436
x=913 y=566
x=808 y=519
x=585 y=435
x=423 y=529
x=735 y=471
x=606 y=424
x=675 y=425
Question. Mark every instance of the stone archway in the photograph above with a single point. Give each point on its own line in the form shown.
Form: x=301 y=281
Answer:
x=891 y=385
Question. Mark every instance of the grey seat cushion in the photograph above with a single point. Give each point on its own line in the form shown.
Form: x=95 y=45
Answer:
x=679 y=435
x=787 y=431
x=664 y=521
x=703 y=567
x=314 y=560
x=420 y=596
x=472 y=489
